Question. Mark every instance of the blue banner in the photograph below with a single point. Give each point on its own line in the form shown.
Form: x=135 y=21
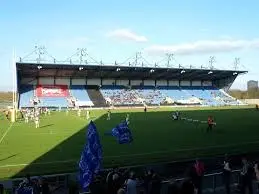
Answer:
x=122 y=133
x=91 y=157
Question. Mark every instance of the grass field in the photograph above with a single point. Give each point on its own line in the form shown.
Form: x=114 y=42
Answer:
x=56 y=146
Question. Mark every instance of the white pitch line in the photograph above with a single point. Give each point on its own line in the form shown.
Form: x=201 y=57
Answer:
x=39 y=163
x=49 y=133
x=8 y=129
x=130 y=155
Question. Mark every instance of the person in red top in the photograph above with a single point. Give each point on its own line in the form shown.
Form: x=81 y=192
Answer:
x=198 y=173
x=210 y=123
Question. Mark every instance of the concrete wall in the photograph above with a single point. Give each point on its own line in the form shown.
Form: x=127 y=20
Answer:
x=122 y=82
x=108 y=81
x=78 y=81
x=46 y=80
x=149 y=82
x=251 y=101
x=62 y=81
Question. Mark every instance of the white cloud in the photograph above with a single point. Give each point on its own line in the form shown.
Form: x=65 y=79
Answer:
x=255 y=44
x=203 y=47
x=226 y=37
x=126 y=34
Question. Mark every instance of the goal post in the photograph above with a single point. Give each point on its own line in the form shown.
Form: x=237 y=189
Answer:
x=13 y=110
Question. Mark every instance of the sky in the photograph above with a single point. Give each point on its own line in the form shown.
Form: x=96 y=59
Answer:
x=115 y=30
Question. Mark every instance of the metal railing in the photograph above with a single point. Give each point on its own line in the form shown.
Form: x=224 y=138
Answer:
x=212 y=183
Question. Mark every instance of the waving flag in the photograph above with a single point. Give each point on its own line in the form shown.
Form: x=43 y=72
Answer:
x=91 y=157
x=24 y=190
x=122 y=133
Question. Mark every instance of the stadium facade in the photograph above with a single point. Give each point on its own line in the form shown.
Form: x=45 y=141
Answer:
x=71 y=85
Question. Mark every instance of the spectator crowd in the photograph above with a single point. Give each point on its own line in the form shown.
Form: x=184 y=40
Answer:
x=119 y=181
x=125 y=181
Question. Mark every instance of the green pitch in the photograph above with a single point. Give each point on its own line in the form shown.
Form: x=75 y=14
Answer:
x=56 y=146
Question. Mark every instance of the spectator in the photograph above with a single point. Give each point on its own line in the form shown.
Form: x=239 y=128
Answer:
x=121 y=191
x=97 y=186
x=43 y=186
x=155 y=184
x=111 y=185
x=73 y=188
x=36 y=189
x=28 y=180
x=187 y=187
x=197 y=175
x=173 y=188
x=227 y=174
x=246 y=177
x=116 y=181
x=131 y=184
x=256 y=169
x=1 y=189
x=147 y=180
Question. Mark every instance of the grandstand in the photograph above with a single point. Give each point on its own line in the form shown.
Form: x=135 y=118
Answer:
x=63 y=85
x=55 y=147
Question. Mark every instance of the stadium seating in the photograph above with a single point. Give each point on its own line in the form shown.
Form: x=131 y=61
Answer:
x=202 y=93
x=210 y=96
x=96 y=96
x=120 y=95
x=53 y=102
x=81 y=96
x=133 y=96
x=151 y=96
x=79 y=92
x=26 y=94
x=174 y=92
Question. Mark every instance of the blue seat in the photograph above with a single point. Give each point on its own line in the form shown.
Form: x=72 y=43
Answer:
x=26 y=94
x=79 y=92
x=53 y=102
x=120 y=95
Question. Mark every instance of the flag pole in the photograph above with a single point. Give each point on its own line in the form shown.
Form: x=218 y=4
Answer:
x=15 y=79
x=13 y=110
x=12 y=64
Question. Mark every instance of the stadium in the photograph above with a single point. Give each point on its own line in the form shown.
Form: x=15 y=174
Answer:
x=148 y=95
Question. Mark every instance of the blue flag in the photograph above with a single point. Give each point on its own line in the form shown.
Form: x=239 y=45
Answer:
x=91 y=157
x=24 y=190
x=122 y=133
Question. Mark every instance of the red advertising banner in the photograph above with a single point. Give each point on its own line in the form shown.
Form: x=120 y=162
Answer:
x=52 y=91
